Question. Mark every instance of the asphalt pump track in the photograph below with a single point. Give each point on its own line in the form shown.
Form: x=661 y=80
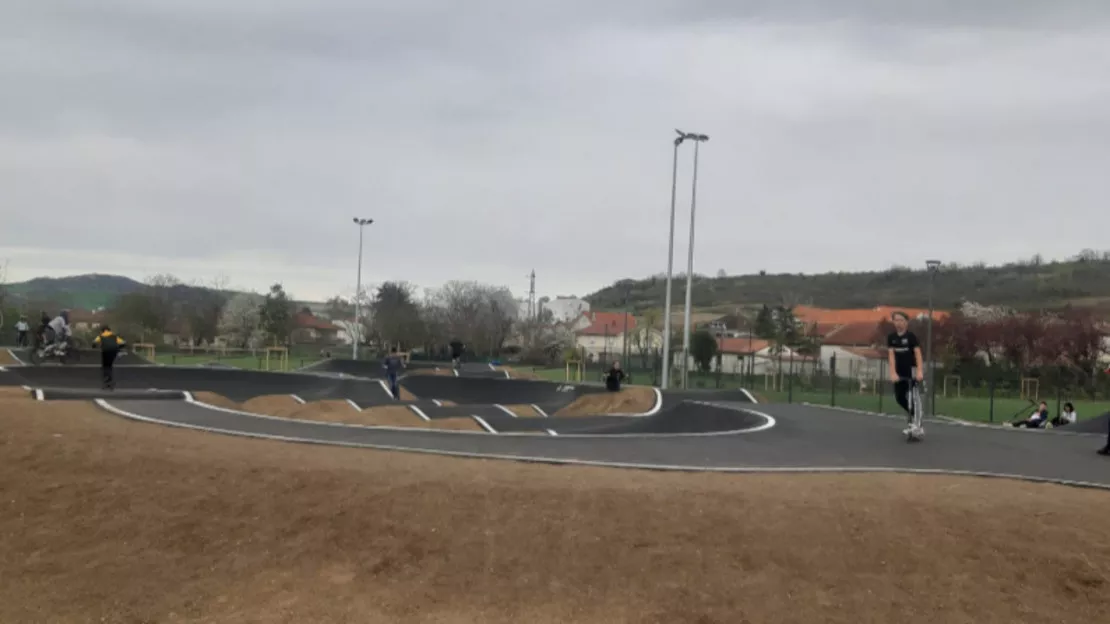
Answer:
x=724 y=431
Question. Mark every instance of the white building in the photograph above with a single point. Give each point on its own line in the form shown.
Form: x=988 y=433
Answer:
x=565 y=309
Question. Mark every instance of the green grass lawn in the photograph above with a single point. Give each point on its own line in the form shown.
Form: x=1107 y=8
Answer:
x=239 y=361
x=972 y=409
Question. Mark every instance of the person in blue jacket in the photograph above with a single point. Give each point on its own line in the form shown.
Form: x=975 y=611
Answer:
x=393 y=365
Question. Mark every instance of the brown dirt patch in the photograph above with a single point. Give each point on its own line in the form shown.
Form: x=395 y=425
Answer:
x=106 y=520
x=630 y=400
x=385 y=416
x=285 y=406
x=218 y=400
x=406 y=395
x=14 y=393
x=523 y=410
x=6 y=359
x=448 y=403
x=272 y=404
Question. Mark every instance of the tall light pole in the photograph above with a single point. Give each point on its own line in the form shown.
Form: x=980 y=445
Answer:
x=361 y=223
x=670 y=268
x=698 y=140
x=933 y=266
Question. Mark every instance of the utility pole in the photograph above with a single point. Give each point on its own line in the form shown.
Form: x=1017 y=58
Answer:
x=532 y=311
x=361 y=223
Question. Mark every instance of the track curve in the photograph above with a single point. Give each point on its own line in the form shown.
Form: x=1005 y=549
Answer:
x=744 y=437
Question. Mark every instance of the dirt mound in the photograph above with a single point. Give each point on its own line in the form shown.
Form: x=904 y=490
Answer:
x=406 y=395
x=523 y=410
x=6 y=358
x=272 y=404
x=337 y=411
x=218 y=400
x=117 y=521
x=630 y=400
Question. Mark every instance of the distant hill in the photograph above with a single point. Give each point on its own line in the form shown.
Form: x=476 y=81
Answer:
x=1032 y=284
x=96 y=290
x=87 y=292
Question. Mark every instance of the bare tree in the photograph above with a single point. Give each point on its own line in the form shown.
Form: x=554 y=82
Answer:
x=477 y=314
x=240 y=320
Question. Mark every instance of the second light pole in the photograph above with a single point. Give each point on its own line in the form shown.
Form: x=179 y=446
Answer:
x=698 y=139
x=361 y=223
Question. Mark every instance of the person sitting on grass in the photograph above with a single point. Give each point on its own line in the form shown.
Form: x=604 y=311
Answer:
x=1036 y=420
x=614 y=377
x=1067 y=416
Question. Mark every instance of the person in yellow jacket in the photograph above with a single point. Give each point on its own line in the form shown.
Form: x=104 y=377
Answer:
x=110 y=345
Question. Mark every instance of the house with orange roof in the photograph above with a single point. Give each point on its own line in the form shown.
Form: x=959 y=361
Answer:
x=601 y=334
x=309 y=328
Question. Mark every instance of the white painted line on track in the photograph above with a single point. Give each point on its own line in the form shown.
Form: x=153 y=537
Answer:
x=538 y=410
x=38 y=395
x=298 y=399
x=603 y=464
x=485 y=425
x=456 y=372
x=385 y=387
x=16 y=358
x=507 y=376
x=749 y=394
x=419 y=412
x=491 y=367
x=437 y=402
x=354 y=405
x=3 y=370
x=551 y=431
x=770 y=422
x=955 y=422
x=505 y=409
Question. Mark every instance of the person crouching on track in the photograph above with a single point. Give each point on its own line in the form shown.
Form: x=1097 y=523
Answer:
x=110 y=345
x=614 y=378
x=393 y=366
x=906 y=366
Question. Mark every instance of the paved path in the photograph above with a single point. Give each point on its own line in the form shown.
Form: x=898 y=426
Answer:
x=802 y=438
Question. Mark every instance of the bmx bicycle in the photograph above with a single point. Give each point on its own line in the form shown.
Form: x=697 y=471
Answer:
x=62 y=353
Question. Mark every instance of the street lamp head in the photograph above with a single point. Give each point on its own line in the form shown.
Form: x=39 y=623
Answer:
x=932 y=265
x=699 y=137
x=362 y=221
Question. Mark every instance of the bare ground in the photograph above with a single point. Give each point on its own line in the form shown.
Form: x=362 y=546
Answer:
x=522 y=410
x=630 y=400
x=106 y=520
x=6 y=358
x=285 y=406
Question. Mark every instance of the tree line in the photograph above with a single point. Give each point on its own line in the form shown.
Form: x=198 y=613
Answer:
x=1025 y=284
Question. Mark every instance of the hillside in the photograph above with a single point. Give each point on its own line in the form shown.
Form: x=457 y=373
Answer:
x=87 y=292
x=1024 y=285
x=96 y=290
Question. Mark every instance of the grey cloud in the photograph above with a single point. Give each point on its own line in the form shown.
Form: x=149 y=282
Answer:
x=490 y=137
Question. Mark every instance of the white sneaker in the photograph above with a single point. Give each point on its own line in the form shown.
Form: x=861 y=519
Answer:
x=918 y=432
x=907 y=431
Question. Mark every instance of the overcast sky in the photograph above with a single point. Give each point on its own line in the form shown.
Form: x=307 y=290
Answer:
x=486 y=138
